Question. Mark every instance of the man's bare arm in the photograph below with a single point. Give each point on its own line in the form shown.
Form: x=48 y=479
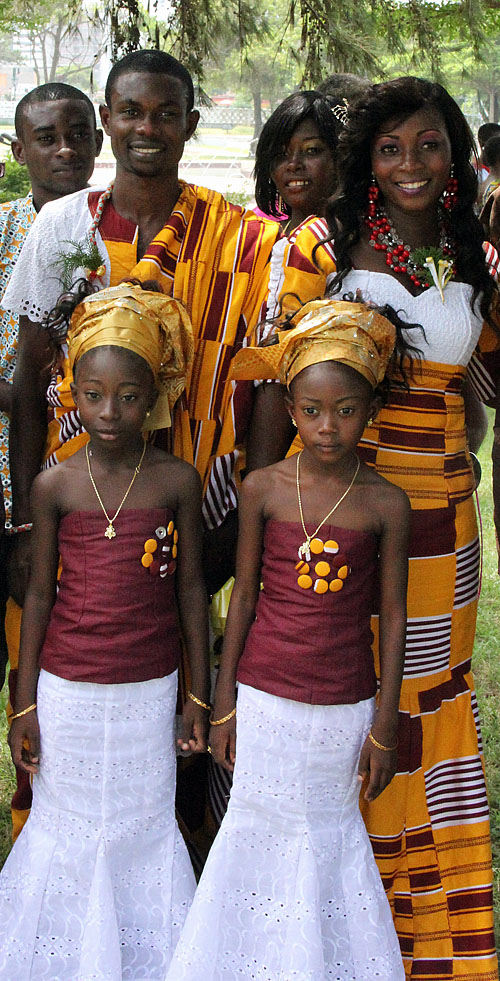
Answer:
x=28 y=432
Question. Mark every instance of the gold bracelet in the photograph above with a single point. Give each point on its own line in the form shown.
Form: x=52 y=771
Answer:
x=387 y=749
x=18 y=715
x=225 y=718
x=198 y=701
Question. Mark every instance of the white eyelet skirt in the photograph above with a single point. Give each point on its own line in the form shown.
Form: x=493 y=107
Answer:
x=99 y=882
x=290 y=891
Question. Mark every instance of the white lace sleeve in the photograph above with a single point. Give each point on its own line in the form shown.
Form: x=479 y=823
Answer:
x=35 y=284
x=276 y=278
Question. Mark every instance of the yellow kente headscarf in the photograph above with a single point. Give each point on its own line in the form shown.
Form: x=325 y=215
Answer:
x=151 y=325
x=326 y=330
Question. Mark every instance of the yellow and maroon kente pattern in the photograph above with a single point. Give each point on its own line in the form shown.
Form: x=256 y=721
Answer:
x=430 y=827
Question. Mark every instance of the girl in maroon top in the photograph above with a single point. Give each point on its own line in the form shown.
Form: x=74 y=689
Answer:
x=99 y=881
x=290 y=889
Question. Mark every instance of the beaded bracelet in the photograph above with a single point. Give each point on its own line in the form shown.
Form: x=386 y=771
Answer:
x=387 y=749
x=198 y=701
x=225 y=718
x=18 y=715
x=17 y=529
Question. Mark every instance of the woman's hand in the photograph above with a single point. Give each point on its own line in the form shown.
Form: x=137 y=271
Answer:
x=24 y=742
x=378 y=765
x=194 y=728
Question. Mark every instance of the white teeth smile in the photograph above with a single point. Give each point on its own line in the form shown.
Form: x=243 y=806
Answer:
x=412 y=185
x=298 y=183
x=146 y=150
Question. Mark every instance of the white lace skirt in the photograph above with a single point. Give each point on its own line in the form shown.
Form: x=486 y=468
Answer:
x=290 y=891
x=98 y=884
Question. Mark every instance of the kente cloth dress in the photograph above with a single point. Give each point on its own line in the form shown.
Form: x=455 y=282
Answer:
x=290 y=890
x=98 y=884
x=430 y=829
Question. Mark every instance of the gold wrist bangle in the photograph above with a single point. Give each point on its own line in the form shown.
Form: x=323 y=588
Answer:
x=198 y=701
x=225 y=718
x=18 y=715
x=387 y=749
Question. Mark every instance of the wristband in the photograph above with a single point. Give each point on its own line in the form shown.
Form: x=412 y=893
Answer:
x=19 y=715
x=198 y=701
x=225 y=718
x=387 y=749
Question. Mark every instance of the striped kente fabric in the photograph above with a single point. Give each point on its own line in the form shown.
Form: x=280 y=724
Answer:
x=213 y=257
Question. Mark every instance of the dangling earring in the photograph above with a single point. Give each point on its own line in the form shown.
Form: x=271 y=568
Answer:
x=280 y=204
x=293 y=420
x=449 y=196
x=373 y=193
x=370 y=422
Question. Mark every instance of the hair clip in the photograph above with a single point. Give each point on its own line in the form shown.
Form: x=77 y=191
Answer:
x=340 y=112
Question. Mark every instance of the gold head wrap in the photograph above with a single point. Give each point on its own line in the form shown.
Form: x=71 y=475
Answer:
x=326 y=330
x=151 y=325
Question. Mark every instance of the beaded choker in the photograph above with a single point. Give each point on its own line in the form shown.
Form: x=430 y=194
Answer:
x=421 y=265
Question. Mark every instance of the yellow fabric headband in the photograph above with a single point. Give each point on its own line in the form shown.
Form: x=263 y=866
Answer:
x=326 y=330
x=151 y=325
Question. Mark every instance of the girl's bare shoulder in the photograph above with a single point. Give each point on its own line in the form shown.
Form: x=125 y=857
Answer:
x=168 y=472
x=383 y=495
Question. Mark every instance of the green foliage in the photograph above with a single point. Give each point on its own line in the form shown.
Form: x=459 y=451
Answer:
x=16 y=182
x=79 y=257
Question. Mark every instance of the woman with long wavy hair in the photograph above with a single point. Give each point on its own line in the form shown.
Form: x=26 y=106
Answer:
x=402 y=230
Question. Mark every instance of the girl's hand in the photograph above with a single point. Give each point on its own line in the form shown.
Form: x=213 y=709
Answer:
x=222 y=742
x=194 y=728
x=378 y=765
x=22 y=731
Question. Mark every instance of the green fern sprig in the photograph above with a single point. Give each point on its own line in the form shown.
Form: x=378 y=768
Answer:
x=83 y=255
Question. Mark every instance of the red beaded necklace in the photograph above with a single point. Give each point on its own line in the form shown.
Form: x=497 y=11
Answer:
x=384 y=238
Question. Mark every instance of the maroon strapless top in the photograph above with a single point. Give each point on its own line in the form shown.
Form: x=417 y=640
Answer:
x=311 y=637
x=115 y=617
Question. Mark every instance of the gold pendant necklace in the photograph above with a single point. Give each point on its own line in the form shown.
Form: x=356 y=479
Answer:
x=305 y=548
x=110 y=531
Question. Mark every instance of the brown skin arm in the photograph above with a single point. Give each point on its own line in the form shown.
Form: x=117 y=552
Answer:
x=379 y=766
x=495 y=456
x=494 y=217
x=38 y=604
x=240 y=617
x=28 y=432
x=5 y=395
x=193 y=614
x=476 y=419
x=271 y=431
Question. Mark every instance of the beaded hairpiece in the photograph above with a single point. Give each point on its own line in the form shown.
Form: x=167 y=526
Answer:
x=340 y=111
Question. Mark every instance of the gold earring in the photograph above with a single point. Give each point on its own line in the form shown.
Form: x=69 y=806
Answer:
x=148 y=413
x=293 y=420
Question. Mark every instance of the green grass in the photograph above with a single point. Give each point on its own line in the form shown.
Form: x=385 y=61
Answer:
x=487 y=662
x=487 y=673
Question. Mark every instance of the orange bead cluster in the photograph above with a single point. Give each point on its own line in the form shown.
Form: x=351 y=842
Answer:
x=160 y=553
x=331 y=570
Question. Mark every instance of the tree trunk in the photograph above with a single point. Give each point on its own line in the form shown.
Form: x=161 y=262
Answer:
x=257 y=112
